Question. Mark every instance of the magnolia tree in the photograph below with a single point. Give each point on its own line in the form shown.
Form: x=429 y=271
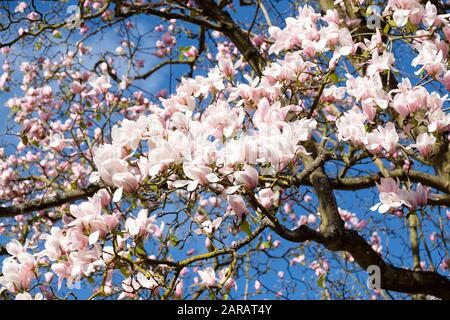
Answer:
x=218 y=150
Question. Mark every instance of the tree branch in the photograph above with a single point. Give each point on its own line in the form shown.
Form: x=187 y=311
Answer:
x=236 y=35
x=392 y=278
x=41 y=204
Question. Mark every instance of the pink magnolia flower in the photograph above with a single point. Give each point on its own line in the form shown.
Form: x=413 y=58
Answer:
x=27 y=296
x=99 y=84
x=15 y=248
x=269 y=114
x=400 y=17
x=179 y=289
x=257 y=286
x=133 y=283
x=57 y=142
x=237 y=205
x=129 y=133
x=424 y=143
x=409 y=99
x=297 y=260
x=104 y=197
x=375 y=240
x=222 y=120
x=198 y=174
x=208 y=277
x=415 y=199
x=226 y=281
x=431 y=58
x=125 y=181
x=248 y=177
x=141 y=225
x=208 y=227
x=21 y=7
x=267 y=197
x=226 y=66
x=445 y=79
x=389 y=196
x=438 y=121
x=18 y=272
x=380 y=63
x=430 y=15
x=351 y=126
x=88 y=220
x=56 y=244
x=433 y=236
x=383 y=138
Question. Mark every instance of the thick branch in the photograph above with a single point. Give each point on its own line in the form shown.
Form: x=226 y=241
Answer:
x=41 y=204
x=233 y=32
x=392 y=278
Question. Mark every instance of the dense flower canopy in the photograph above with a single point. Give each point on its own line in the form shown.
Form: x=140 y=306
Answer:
x=258 y=155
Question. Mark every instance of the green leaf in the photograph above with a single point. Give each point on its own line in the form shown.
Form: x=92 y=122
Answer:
x=119 y=233
x=24 y=140
x=411 y=27
x=141 y=251
x=334 y=77
x=266 y=245
x=386 y=29
x=124 y=271
x=174 y=240
x=246 y=228
x=321 y=281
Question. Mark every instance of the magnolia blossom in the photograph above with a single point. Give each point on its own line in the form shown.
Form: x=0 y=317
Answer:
x=248 y=177
x=424 y=143
x=208 y=227
x=133 y=283
x=390 y=197
x=237 y=205
x=129 y=133
x=208 y=277
x=409 y=99
x=431 y=58
x=351 y=126
x=99 y=84
x=57 y=142
x=268 y=197
x=140 y=226
x=226 y=280
x=199 y=175
x=18 y=272
x=383 y=138
x=378 y=64
x=27 y=296
x=417 y=198
x=430 y=14
x=21 y=7
x=393 y=197
x=400 y=17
